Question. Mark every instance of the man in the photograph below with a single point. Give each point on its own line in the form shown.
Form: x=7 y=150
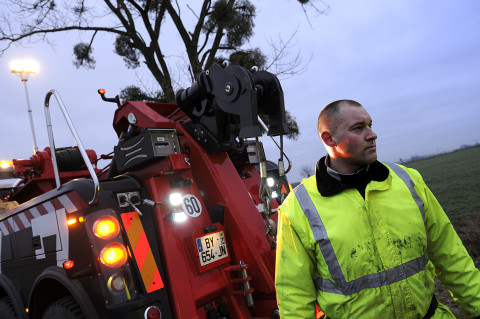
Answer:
x=363 y=239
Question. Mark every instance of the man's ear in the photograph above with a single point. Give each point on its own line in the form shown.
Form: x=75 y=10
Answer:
x=327 y=138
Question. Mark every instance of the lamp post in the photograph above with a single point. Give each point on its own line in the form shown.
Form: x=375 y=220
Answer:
x=23 y=68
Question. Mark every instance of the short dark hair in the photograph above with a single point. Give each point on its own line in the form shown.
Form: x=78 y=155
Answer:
x=328 y=115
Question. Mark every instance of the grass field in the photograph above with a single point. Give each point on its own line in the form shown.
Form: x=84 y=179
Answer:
x=454 y=179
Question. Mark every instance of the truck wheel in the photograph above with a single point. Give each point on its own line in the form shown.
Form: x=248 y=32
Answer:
x=65 y=308
x=6 y=308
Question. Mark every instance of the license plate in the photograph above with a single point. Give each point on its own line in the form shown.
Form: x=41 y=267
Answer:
x=211 y=248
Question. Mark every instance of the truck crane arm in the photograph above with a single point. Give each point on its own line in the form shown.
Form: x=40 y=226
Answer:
x=224 y=104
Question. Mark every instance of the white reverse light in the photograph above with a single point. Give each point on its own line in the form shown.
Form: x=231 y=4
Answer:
x=179 y=217
x=270 y=182
x=175 y=199
x=274 y=194
x=116 y=283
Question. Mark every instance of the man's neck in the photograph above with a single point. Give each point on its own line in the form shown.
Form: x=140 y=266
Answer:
x=338 y=167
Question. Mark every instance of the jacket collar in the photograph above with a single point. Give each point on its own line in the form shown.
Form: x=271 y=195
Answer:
x=330 y=182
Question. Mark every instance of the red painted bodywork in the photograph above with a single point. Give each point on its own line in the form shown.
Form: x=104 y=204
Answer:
x=192 y=289
x=215 y=181
x=39 y=174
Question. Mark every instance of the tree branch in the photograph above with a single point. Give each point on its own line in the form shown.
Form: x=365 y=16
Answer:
x=178 y=23
x=282 y=67
x=118 y=13
x=216 y=41
x=189 y=45
x=207 y=35
x=16 y=38
x=159 y=14
x=130 y=26
x=207 y=4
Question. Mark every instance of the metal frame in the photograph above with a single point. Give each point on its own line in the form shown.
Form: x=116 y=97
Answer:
x=48 y=119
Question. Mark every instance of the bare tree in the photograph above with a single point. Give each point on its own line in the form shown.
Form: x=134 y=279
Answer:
x=220 y=26
x=306 y=171
x=220 y=29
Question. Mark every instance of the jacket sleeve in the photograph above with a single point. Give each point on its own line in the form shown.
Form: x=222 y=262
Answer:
x=296 y=293
x=453 y=264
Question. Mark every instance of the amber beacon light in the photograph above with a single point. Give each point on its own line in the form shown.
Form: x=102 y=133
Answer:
x=106 y=227
x=113 y=255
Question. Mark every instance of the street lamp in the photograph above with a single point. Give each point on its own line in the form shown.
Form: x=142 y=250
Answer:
x=23 y=68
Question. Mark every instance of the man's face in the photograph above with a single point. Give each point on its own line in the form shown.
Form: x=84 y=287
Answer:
x=354 y=138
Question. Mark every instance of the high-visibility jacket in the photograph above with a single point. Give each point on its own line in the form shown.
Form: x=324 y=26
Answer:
x=372 y=257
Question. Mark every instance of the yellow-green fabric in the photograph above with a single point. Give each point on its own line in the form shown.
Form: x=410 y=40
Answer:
x=371 y=235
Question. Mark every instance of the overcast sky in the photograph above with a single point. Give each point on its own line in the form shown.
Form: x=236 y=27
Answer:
x=414 y=65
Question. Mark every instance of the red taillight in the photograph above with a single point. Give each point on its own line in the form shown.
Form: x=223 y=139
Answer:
x=153 y=313
x=68 y=264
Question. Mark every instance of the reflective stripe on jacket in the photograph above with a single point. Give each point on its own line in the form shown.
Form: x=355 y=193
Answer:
x=370 y=257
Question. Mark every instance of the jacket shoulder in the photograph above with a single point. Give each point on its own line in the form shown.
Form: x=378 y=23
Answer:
x=290 y=205
x=413 y=173
x=293 y=217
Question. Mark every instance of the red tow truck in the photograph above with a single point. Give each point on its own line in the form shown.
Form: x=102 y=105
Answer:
x=180 y=224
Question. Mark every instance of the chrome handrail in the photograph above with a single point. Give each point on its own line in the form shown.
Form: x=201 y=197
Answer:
x=96 y=184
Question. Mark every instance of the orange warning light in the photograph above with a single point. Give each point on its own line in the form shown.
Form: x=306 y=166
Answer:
x=113 y=255
x=106 y=227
